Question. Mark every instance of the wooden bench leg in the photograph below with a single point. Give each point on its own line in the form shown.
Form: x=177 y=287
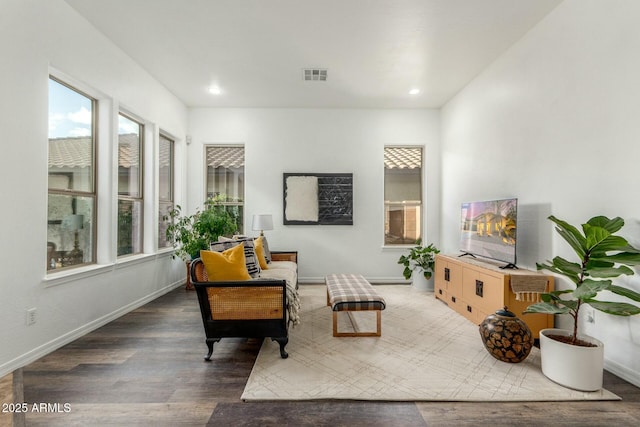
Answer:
x=377 y=333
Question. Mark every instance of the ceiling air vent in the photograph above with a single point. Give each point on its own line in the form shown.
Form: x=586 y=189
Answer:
x=314 y=74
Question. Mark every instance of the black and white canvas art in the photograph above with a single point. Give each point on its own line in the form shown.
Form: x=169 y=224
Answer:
x=318 y=198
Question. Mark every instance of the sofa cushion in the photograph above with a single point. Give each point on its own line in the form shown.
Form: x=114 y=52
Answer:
x=280 y=274
x=265 y=246
x=251 y=260
x=287 y=265
x=259 y=244
x=226 y=265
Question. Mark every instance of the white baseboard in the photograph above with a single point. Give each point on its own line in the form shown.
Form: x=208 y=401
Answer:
x=65 y=339
x=623 y=372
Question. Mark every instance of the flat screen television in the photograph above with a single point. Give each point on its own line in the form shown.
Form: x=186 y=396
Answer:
x=488 y=229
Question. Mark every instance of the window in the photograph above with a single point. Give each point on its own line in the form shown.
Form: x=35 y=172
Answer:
x=225 y=178
x=165 y=184
x=71 y=165
x=402 y=195
x=130 y=199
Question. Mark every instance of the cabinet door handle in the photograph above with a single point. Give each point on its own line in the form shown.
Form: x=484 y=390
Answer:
x=440 y=291
x=469 y=309
x=447 y=274
x=479 y=288
x=453 y=299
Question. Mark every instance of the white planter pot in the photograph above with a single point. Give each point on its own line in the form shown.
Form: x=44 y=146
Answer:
x=419 y=283
x=572 y=366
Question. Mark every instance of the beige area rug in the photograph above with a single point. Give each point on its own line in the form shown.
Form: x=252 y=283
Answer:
x=427 y=352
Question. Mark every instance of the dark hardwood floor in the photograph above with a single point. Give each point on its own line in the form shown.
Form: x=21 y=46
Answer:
x=147 y=369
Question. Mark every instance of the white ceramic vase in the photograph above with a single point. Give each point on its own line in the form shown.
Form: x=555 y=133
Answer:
x=419 y=283
x=572 y=366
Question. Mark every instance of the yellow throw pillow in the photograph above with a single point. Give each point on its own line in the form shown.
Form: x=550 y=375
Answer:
x=227 y=265
x=259 y=245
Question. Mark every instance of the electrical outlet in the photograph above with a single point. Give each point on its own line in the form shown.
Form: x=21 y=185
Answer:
x=31 y=316
x=591 y=316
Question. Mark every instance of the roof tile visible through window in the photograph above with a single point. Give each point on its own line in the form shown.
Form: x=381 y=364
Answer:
x=76 y=152
x=402 y=157
x=226 y=157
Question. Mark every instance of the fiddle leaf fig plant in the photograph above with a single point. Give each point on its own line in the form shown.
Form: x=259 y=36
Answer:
x=602 y=256
x=192 y=233
x=419 y=257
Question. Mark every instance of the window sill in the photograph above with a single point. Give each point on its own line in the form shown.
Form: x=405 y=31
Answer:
x=131 y=260
x=396 y=248
x=79 y=273
x=71 y=275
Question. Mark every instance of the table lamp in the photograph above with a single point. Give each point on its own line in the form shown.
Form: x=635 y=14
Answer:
x=262 y=222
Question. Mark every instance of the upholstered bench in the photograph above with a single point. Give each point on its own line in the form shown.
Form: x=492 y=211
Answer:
x=352 y=292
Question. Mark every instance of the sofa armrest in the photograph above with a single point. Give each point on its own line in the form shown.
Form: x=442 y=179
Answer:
x=284 y=256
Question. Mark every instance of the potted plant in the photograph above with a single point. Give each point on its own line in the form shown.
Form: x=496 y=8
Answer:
x=192 y=233
x=419 y=264
x=568 y=357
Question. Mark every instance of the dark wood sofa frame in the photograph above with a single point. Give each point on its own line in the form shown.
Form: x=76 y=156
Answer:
x=255 y=308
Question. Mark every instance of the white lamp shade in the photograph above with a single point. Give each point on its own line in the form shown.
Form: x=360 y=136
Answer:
x=262 y=222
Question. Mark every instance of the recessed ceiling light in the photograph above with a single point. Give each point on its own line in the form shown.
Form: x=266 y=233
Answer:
x=215 y=90
x=414 y=91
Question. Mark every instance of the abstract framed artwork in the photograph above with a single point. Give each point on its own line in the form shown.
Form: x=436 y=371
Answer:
x=318 y=198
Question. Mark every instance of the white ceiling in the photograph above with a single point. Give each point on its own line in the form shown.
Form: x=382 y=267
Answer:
x=375 y=50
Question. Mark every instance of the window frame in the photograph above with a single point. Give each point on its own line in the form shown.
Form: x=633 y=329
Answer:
x=141 y=195
x=171 y=179
x=420 y=204
x=239 y=204
x=93 y=194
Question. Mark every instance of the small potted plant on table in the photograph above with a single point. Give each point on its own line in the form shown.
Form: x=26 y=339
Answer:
x=569 y=358
x=419 y=265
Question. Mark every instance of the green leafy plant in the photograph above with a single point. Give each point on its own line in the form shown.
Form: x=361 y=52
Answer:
x=602 y=256
x=421 y=257
x=192 y=233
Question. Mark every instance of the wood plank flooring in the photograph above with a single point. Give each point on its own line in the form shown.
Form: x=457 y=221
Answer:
x=147 y=368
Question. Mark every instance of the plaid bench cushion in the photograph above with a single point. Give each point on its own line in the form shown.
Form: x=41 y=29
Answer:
x=352 y=292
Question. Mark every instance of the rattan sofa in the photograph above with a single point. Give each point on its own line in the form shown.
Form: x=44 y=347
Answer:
x=256 y=308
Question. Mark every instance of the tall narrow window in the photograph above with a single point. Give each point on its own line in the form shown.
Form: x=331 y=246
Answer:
x=71 y=208
x=165 y=184
x=225 y=178
x=402 y=195
x=130 y=200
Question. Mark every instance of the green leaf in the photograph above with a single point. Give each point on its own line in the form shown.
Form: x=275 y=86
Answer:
x=546 y=308
x=594 y=235
x=568 y=267
x=554 y=295
x=571 y=235
x=615 y=308
x=611 y=225
x=626 y=258
x=590 y=288
x=610 y=243
x=625 y=292
x=560 y=265
x=572 y=304
x=609 y=272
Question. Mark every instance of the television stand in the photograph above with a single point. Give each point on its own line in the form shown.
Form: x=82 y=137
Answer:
x=510 y=265
x=477 y=288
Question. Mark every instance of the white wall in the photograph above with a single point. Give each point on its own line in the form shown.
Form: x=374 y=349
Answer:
x=554 y=121
x=321 y=141
x=36 y=37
